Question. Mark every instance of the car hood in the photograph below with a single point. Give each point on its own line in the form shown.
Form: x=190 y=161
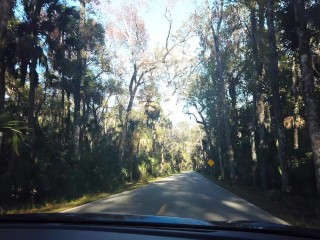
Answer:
x=155 y=221
x=100 y=218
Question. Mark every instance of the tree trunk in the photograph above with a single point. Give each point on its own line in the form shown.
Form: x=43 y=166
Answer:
x=274 y=77
x=124 y=133
x=309 y=87
x=229 y=142
x=219 y=150
x=296 y=128
x=223 y=103
x=221 y=110
x=68 y=119
x=259 y=65
x=95 y=119
x=62 y=115
x=77 y=84
x=233 y=81
x=154 y=139
x=2 y=82
x=32 y=92
x=1 y=153
x=76 y=113
x=262 y=142
x=254 y=78
x=296 y=104
x=162 y=158
x=63 y=86
x=6 y=7
x=83 y=125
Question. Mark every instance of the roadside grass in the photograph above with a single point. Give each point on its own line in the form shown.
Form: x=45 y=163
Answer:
x=295 y=210
x=59 y=206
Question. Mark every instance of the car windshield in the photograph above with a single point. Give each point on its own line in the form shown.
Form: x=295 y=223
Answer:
x=201 y=109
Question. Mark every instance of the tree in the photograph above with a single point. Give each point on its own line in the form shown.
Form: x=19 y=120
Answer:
x=6 y=8
x=309 y=85
x=274 y=76
x=129 y=32
x=12 y=130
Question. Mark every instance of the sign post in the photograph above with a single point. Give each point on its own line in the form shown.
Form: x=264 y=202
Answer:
x=211 y=164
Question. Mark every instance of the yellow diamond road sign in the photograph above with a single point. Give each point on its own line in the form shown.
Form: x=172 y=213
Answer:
x=211 y=162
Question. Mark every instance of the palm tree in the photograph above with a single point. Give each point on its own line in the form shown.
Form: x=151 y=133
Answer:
x=11 y=130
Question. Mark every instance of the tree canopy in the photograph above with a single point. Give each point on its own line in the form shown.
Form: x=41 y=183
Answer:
x=83 y=91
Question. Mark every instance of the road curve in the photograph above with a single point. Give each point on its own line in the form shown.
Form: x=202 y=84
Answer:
x=187 y=195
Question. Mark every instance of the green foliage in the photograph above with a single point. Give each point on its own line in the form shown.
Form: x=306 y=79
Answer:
x=12 y=129
x=237 y=93
x=148 y=167
x=54 y=61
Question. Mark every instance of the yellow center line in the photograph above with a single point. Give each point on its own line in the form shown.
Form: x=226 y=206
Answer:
x=162 y=209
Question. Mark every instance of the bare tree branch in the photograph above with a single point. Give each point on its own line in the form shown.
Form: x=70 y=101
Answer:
x=192 y=114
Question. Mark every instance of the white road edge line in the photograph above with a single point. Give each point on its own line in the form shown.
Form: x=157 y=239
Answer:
x=278 y=219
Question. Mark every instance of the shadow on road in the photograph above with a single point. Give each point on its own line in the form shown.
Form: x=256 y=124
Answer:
x=183 y=195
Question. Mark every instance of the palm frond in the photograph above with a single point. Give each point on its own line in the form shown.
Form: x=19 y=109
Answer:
x=12 y=128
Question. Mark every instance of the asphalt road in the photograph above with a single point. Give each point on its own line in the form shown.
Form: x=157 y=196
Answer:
x=182 y=195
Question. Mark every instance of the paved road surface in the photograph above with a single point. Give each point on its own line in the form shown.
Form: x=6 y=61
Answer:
x=182 y=195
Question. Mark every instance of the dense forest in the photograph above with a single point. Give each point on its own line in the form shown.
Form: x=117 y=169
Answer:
x=256 y=92
x=80 y=102
x=82 y=99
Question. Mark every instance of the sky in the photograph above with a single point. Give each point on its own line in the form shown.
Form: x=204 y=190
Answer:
x=157 y=26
